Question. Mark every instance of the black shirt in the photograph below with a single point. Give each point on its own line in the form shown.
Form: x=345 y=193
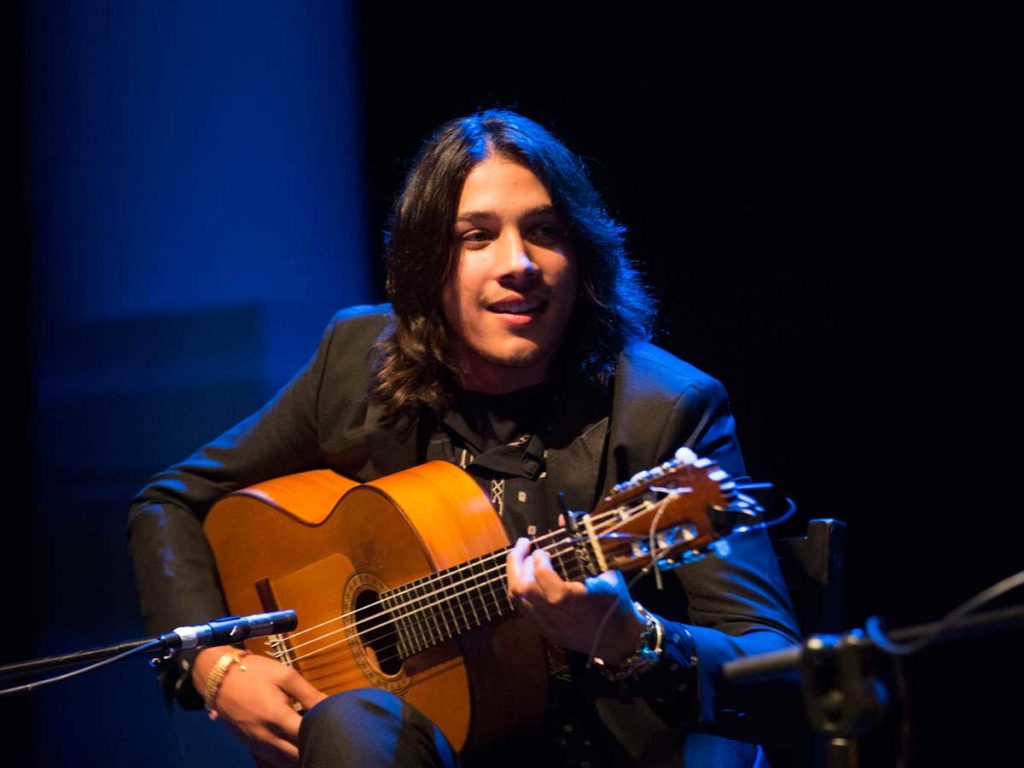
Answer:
x=499 y=440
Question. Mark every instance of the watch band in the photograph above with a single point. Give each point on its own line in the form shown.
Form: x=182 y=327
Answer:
x=647 y=654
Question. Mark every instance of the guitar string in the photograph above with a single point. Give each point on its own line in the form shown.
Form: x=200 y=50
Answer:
x=400 y=591
x=406 y=588
x=383 y=660
x=619 y=512
x=433 y=579
x=476 y=586
x=472 y=584
x=423 y=630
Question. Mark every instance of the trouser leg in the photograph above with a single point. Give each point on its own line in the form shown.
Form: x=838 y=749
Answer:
x=369 y=727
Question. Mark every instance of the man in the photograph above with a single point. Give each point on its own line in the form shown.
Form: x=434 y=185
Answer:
x=515 y=347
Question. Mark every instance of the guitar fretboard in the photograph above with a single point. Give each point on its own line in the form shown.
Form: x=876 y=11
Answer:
x=438 y=607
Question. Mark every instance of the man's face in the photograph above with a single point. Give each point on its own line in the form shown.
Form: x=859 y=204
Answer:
x=512 y=294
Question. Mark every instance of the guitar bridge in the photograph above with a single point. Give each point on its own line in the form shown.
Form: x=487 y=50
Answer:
x=277 y=644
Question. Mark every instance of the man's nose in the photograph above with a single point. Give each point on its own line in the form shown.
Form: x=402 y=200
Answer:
x=516 y=261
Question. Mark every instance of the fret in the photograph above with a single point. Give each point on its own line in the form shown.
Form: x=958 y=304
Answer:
x=455 y=602
x=497 y=585
x=508 y=595
x=558 y=561
x=568 y=561
x=416 y=619
x=390 y=606
x=492 y=579
x=438 y=607
x=478 y=574
x=471 y=590
x=438 y=601
x=407 y=628
x=425 y=612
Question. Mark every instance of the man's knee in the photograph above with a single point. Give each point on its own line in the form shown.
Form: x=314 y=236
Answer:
x=358 y=711
x=368 y=726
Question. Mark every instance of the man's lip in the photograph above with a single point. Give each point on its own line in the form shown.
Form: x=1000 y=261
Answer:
x=517 y=306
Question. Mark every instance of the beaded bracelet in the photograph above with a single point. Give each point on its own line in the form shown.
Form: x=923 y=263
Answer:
x=230 y=656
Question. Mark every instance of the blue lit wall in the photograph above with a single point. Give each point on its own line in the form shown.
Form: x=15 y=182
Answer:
x=197 y=199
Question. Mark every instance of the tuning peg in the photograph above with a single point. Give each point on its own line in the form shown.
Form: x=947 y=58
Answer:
x=685 y=456
x=640 y=476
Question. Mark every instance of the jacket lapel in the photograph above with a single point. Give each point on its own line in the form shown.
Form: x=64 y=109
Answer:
x=576 y=446
x=576 y=469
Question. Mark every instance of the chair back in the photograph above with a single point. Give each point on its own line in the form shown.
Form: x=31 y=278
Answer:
x=812 y=567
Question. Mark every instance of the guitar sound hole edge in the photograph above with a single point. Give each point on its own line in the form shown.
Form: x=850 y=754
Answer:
x=377 y=632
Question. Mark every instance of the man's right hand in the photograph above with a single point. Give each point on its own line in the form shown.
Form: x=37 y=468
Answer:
x=257 y=703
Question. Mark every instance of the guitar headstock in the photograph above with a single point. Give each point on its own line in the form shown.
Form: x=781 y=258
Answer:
x=677 y=507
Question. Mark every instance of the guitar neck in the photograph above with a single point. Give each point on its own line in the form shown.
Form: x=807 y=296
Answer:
x=657 y=512
x=447 y=603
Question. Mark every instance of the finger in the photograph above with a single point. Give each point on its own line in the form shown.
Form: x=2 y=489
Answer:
x=524 y=588
x=514 y=562
x=526 y=585
x=266 y=746
x=551 y=585
x=274 y=751
x=302 y=691
x=286 y=725
x=526 y=608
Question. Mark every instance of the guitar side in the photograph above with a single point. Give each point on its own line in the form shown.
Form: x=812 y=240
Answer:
x=326 y=546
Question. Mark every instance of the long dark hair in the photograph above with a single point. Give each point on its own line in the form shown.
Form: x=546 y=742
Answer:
x=413 y=360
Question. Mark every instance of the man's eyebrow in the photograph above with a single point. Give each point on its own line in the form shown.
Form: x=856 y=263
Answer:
x=471 y=216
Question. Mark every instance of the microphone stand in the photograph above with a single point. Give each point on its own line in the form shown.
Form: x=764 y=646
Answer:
x=843 y=695
x=224 y=631
x=37 y=666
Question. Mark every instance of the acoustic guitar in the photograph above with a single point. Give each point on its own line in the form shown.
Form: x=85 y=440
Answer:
x=400 y=583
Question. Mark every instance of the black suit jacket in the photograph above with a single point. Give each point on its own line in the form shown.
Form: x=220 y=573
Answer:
x=323 y=418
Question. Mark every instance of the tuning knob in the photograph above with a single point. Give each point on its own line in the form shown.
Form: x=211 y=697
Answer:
x=685 y=456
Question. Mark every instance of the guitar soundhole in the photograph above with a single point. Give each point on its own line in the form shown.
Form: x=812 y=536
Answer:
x=377 y=632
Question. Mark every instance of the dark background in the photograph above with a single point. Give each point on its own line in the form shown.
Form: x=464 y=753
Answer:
x=816 y=202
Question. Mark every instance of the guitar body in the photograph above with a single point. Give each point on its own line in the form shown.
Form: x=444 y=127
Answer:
x=327 y=547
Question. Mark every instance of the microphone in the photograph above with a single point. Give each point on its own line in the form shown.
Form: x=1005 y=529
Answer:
x=768 y=664
x=229 y=630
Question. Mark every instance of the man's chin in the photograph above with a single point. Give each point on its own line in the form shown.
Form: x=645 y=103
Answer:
x=506 y=370
x=519 y=358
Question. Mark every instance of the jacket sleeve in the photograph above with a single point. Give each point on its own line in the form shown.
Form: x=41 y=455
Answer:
x=174 y=567
x=736 y=601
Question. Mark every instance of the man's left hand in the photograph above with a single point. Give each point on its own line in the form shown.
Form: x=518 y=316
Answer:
x=570 y=613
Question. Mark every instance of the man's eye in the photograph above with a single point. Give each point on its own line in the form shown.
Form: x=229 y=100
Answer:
x=547 y=234
x=475 y=237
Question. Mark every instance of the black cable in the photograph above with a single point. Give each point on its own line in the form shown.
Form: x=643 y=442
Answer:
x=873 y=626
x=67 y=675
